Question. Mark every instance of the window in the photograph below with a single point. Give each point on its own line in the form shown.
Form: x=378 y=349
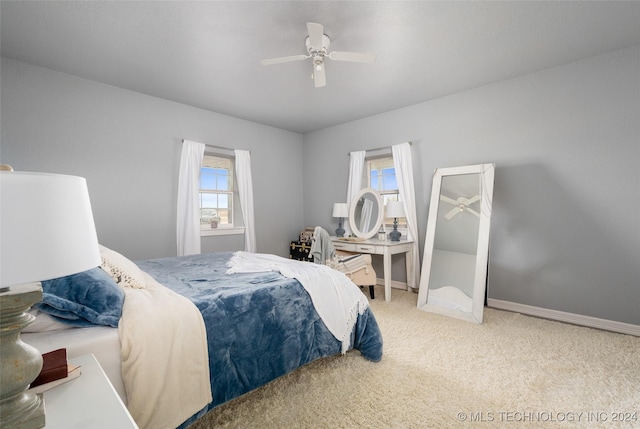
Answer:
x=216 y=192
x=382 y=178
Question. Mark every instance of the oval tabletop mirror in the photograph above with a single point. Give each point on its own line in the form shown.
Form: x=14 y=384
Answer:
x=365 y=213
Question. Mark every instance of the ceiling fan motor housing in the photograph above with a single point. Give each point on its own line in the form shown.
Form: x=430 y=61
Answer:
x=318 y=52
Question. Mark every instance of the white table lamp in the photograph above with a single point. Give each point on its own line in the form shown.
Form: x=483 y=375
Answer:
x=46 y=231
x=340 y=210
x=395 y=209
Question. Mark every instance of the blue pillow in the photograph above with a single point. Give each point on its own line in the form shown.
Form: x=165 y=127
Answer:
x=88 y=298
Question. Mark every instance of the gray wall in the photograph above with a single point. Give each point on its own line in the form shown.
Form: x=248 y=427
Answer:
x=128 y=145
x=566 y=144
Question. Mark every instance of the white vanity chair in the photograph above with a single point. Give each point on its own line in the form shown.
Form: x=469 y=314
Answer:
x=356 y=266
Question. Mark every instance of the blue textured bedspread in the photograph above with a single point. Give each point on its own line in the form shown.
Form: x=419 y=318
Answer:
x=260 y=326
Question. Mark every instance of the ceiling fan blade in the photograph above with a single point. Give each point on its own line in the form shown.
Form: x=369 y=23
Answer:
x=473 y=212
x=452 y=213
x=319 y=78
x=315 y=35
x=448 y=200
x=473 y=200
x=284 y=59
x=358 y=57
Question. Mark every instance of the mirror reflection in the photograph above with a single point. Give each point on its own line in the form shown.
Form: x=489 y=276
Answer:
x=455 y=243
x=456 y=246
x=365 y=215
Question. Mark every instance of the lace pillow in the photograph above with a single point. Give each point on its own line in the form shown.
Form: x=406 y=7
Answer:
x=121 y=269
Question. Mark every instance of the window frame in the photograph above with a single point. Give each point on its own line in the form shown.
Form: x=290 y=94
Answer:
x=386 y=195
x=234 y=225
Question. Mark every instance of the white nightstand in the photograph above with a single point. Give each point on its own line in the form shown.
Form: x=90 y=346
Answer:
x=87 y=402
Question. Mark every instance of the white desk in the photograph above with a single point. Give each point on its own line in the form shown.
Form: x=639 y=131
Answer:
x=87 y=402
x=386 y=248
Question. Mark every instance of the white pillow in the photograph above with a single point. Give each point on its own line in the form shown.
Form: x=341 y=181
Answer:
x=121 y=269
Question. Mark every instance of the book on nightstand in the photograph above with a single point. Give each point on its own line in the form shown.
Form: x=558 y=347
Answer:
x=55 y=371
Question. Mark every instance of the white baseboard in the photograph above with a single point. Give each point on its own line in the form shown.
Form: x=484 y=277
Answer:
x=561 y=316
x=394 y=284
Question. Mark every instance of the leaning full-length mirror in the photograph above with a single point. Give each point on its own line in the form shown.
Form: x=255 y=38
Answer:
x=454 y=269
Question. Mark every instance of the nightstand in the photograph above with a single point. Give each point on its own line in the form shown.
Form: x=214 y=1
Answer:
x=87 y=402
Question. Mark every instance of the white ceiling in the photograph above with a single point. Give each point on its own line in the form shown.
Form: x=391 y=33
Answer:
x=207 y=53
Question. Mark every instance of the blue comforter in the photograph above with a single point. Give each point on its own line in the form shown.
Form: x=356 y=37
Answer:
x=260 y=326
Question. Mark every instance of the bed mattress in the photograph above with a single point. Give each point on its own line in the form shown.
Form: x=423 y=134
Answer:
x=101 y=341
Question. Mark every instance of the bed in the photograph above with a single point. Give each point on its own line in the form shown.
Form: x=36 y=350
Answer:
x=222 y=323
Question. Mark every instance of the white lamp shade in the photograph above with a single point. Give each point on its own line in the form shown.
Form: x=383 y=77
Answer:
x=340 y=210
x=395 y=209
x=46 y=227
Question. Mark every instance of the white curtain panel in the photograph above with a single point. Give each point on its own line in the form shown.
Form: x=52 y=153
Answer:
x=188 y=218
x=365 y=220
x=245 y=189
x=404 y=175
x=356 y=167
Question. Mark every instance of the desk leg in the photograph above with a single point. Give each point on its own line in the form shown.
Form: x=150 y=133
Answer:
x=409 y=263
x=387 y=274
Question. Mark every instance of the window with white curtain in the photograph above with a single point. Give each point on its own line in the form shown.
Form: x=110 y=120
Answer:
x=381 y=176
x=217 y=195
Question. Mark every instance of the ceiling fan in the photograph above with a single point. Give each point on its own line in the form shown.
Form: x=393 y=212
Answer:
x=461 y=204
x=317 y=44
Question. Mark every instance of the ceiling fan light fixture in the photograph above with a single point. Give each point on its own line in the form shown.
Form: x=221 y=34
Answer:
x=318 y=61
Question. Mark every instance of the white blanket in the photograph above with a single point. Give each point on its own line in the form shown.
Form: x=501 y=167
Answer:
x=165 y=361
x=335 y=297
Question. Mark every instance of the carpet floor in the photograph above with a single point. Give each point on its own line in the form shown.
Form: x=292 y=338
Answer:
x=437 y=372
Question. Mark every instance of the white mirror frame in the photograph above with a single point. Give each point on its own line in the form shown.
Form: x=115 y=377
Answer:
x=352 y=210
x=486 y=172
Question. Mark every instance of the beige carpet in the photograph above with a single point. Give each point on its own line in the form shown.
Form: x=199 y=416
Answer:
x=512 y=371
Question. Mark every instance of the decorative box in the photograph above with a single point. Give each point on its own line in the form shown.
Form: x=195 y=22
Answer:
x=307 y=235
x=300 y=251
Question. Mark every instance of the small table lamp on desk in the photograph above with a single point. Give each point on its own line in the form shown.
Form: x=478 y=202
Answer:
x=47 y=231
x=395 y=209
x=341 y=211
